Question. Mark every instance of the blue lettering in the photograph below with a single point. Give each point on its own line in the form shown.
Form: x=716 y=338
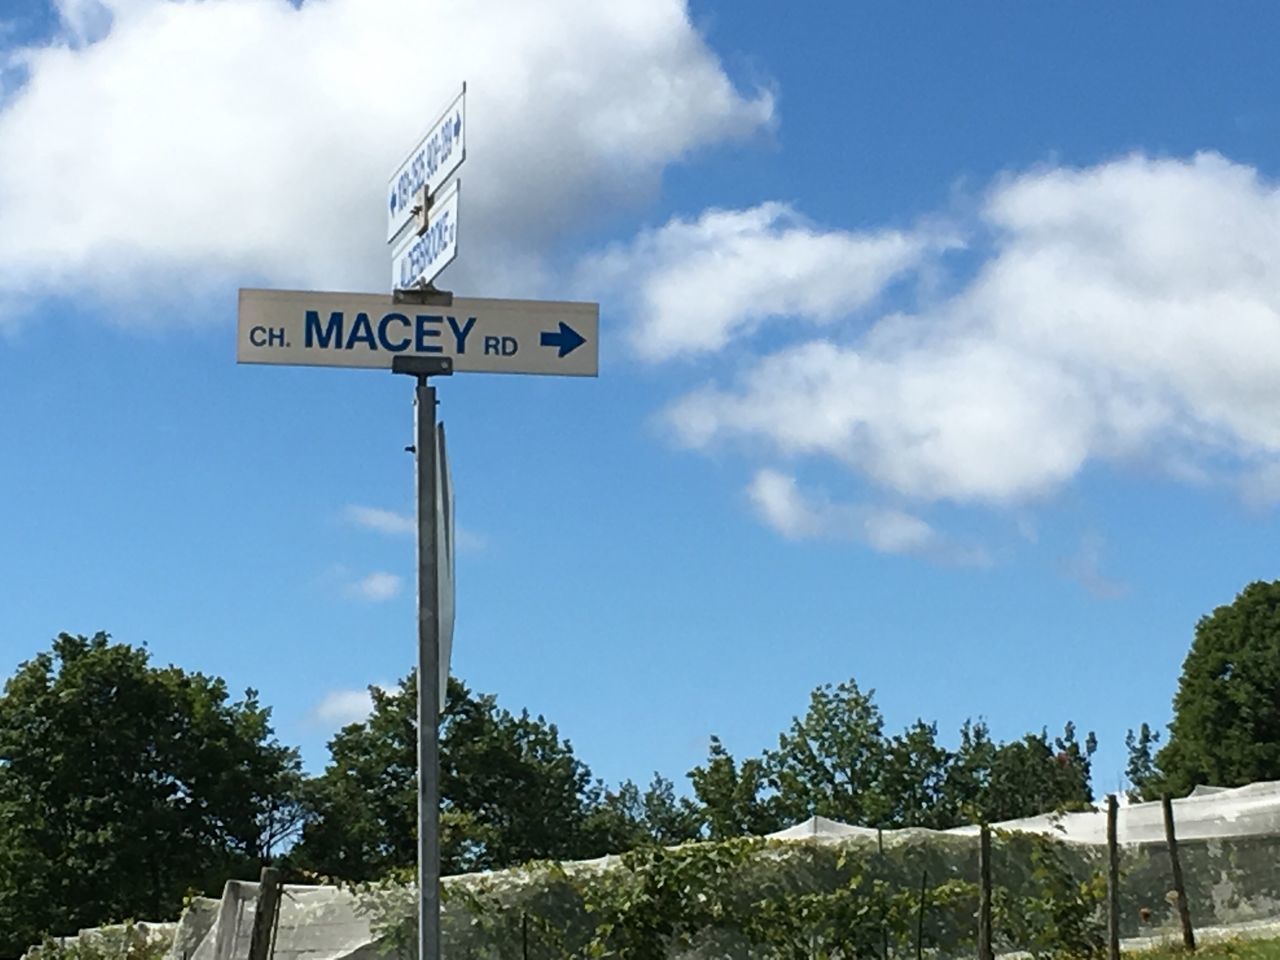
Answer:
x=382 y=333
x=501 y=346
x=275 y=338
x=424 y=330
x=427 y=249
x=460 y=334
x=329 y=336
x=361 y=332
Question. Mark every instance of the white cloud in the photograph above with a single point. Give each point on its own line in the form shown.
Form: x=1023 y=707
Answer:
x=1126 y=312
x=776 y=499
x=698 y=284
x=380 y=520
x=404 y=524
x=893 y=531
x=1260 y=486
x=1085 y=568
x=341 y=707
x=83 y=21
x=376 y=587
x=469 y=541
x=779 y=502
x=197 y=143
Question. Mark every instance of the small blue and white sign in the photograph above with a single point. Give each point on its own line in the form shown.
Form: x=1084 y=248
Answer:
x=433 y=161
x=421 y=257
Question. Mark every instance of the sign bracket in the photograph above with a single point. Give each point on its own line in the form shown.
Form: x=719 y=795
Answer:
x=423 y=295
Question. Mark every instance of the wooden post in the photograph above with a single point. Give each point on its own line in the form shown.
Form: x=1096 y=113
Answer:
x=1113 y=881
x=924 y=893
x=1179 y=887
x=265 y=914
x=884 y=929
x=985 y=946
x=524 y=935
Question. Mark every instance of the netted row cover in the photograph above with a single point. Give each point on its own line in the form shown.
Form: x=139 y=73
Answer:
x=841 y=889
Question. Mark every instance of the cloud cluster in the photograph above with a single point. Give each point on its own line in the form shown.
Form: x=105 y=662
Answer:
x=1125 y=312
x=170 y=145
x=1085 y=568
x=338 y=708
x=380 y=520
x=701 y=283
x=376 y=587
x=797 y=515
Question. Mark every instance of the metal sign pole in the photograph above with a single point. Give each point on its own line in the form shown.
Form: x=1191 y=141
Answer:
x=428 y=686
x=428 y=652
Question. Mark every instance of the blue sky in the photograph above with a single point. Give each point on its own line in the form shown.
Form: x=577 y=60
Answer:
x=938 y=350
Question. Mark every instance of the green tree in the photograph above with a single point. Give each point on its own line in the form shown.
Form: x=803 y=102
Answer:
x=669 y=819
x=1037 y=775
x=123 y=786
x=914 y=779
x=511 y=791
x=361 y=813
x=992 y=782
x=732 y=797
x=837 y=761
x=1226 y=713
x=966 y=788
x=832 y=760
x=1141 y=768
x=626 y=818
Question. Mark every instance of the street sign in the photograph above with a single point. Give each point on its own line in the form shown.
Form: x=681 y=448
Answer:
x=444 y=561
x=369 y=330
x=437 y=155
x=419 y=259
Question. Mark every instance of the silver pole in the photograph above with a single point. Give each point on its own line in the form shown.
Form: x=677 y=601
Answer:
x=428 y=677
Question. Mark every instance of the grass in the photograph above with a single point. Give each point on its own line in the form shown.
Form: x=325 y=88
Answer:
x=1236 y=948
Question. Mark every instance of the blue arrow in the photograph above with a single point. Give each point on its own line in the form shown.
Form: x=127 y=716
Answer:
x=568 y=339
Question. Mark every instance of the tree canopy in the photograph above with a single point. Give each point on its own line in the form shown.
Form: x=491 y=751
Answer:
x=512 y=790
x=124 y=786
x=837 y=761
x=1226 y=713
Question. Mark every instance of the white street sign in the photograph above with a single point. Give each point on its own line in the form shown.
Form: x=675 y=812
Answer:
x=438 y=154
x=370 y=330
x=444 y=560
x=419 y=259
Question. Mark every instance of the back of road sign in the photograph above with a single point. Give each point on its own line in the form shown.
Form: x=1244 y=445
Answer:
x=302 y=328
x=445 y=565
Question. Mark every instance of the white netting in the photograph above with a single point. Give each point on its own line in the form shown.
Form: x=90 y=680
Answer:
x=316 y=923
x=1229 y=844
x=1209 y=813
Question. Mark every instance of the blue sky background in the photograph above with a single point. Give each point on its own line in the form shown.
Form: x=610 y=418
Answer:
x=615 y=575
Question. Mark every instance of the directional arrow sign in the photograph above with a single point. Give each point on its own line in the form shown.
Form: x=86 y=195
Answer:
x=369 y=330
x=440 y=152
x=565 y=340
